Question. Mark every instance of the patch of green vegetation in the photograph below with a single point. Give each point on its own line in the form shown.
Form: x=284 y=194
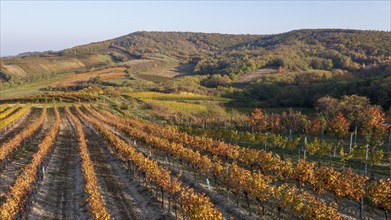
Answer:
x=104 y=58
x=152 y=78
x=31 y=88
x=18 y=92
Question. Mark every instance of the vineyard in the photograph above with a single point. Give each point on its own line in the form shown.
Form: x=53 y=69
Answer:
x=155 y=125
x=77 y=160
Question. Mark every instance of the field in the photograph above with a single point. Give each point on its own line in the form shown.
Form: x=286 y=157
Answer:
x=182 y=125
x=112 y=151
x=66 y=160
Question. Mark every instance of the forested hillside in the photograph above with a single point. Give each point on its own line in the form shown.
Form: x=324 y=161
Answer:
x=304 y=50
x=288 y=69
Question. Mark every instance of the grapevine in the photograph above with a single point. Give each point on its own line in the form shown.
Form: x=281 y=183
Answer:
x=9 y=111
x=196 y=206
x=240 y=180
x=8 y=147
x=263 y=161
x=3 y=107
x=5 y=122
x=95 y=200
x=24 y=184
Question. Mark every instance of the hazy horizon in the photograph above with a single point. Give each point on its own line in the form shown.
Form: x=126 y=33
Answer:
x=42 y=26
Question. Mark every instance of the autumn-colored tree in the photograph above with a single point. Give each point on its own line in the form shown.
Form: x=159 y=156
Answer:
x=274 y=123
x=294 y=121
x=315 y=127
x=325 y=178
x=389 y=163
x=339 y=128
x=328 y=106
x=261 y=195
x=259 y=120
x=373 y=131
x=351 y=106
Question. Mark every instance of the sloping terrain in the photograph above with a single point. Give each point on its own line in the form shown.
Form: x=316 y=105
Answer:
x=291 y=69
x=212 y=53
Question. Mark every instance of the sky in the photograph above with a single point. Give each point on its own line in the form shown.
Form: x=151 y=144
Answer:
x=54 y=25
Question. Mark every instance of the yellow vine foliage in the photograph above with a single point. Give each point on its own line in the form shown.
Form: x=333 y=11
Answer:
x=260 y=160
x=24 y=183
x=9 y=111
x=4 y=123
x=3 y=107
x=196 y=206
x=8 y=147
x=381 y=194
x=238 y=179
x=95 y=200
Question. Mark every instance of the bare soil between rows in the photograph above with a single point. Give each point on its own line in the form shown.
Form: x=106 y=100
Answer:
x=60 y=195
x=125 y=197
x=22 y=156
x=227 y=207
x=18 y=125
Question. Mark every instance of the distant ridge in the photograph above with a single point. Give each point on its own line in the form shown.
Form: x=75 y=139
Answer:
x=213 y=53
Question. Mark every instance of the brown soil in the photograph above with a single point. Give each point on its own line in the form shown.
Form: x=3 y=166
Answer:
x=22 y=156
x=226 y=206
x=349 y=209
x=222 y=203
x=125 y=198
x=60 y=195
x=17 y=126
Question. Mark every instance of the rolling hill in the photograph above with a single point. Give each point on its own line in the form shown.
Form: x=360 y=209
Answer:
x=223 y=53
x=259 y=65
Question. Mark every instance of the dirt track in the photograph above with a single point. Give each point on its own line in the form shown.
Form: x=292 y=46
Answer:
x=61 y=195
x=125 y=197
x=228 y=208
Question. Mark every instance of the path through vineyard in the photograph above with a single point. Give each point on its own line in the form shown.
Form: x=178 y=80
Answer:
x=61 y=194
x=125 y=198
x=23 y=155
x=226 y=206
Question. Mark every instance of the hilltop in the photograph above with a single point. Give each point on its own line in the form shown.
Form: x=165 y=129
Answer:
x=258 y=65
